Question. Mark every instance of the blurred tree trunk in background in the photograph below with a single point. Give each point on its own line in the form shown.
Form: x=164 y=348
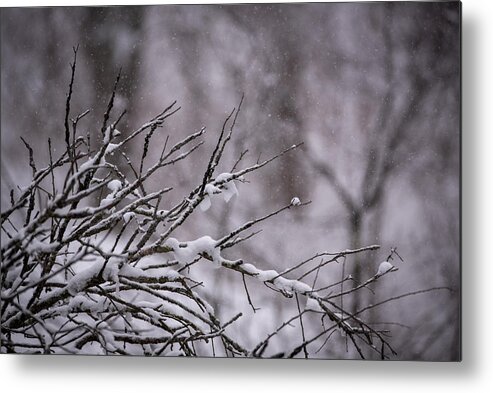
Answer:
x=113 y=39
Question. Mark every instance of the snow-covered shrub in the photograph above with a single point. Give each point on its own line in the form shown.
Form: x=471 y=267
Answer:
x=76 y=276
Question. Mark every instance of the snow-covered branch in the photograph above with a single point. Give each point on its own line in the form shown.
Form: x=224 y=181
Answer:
x=92 y=265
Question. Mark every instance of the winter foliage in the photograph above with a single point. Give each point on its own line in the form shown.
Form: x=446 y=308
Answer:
x=93 y=262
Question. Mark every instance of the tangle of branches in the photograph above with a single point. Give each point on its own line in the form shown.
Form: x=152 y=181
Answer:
x=75 y=269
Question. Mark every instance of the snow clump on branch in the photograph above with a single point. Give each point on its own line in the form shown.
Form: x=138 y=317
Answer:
x=186 y=252
x=223 y=184
x=384 y=267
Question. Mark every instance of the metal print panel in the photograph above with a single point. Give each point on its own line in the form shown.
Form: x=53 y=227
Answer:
x=261 y=180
